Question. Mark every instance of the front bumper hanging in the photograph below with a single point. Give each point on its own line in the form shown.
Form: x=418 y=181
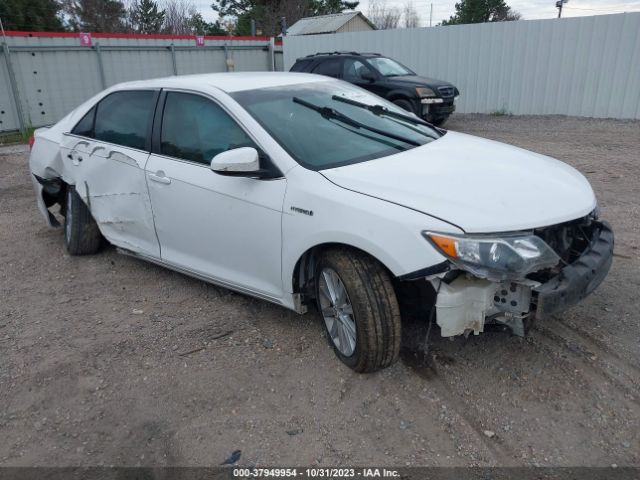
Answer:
x=580 y=278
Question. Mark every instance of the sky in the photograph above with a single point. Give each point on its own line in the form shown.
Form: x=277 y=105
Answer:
x=529 y=9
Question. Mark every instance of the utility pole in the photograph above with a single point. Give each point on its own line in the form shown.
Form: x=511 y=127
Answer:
x=430 y=14
x=559 y=4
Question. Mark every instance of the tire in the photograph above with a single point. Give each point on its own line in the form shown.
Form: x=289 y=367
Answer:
x=405 y=104
x=374 y=311
x=440 y=121
x=81 y=233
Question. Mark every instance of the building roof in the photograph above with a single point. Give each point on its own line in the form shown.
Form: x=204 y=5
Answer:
x=324 y=23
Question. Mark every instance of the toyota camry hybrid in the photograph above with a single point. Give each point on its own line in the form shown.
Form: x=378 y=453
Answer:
x=305 y=190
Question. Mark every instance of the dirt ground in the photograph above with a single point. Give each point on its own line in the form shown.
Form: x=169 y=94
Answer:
x=99 y=359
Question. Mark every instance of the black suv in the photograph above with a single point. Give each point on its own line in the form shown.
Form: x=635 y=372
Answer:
x=428 y=98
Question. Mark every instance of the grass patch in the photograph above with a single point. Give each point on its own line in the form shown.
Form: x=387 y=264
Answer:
x=503 y=112
x=11 y=138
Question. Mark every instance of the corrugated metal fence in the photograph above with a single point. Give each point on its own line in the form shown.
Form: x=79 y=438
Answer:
x=588 y=66
x=42 y=77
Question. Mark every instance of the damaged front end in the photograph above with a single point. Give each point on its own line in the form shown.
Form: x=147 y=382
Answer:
x=510 y=280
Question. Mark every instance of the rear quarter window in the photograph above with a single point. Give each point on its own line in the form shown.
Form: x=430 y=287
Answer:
x=84 y=127
x=301 y=65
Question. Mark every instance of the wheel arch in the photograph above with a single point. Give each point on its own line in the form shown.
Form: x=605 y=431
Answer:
x=401 y=94
x=303 y=275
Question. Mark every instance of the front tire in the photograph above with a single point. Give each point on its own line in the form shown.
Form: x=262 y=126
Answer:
x=405 y=104
x=81 y=233
x=440 y=121
x=360 y=310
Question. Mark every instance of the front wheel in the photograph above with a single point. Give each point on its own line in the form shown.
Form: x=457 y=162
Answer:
x=405 y=104
x=360 y=310
x=440 y=121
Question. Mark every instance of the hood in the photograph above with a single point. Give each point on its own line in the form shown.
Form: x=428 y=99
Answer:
x=479 y=185
x=419 y=81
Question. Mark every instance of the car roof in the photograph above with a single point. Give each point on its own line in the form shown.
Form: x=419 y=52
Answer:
x=339 y=54
x=228 y=82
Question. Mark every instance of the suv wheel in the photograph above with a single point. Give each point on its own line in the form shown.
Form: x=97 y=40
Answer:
x=360 y=310
x=405 y=104
x=81 y=233
x=440 y=121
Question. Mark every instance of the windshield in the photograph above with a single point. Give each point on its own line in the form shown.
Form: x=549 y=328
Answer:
x=388 y=67
x=320 y=132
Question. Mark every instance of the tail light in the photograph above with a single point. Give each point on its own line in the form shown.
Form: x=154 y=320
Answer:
x=32 y=140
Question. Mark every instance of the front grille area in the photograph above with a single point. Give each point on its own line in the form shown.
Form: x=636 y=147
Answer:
x=569 y=240
x=446 y=91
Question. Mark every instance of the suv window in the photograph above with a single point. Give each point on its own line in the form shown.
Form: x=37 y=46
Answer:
x=329 y=67
x=123 y=118
x=195 y=128
x=354 y=69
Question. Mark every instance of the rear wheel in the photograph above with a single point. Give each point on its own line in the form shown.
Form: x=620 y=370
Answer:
x=81 y=233
x=360 y=310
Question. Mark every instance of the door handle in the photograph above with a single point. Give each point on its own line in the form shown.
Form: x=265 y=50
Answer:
x=159 y=178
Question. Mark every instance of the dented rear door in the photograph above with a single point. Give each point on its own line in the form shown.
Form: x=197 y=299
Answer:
x=108 y=170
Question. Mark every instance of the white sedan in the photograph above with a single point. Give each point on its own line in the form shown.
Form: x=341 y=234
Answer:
x=304 y=190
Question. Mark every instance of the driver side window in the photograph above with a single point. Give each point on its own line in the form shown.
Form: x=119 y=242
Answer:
x=354 y=70
x=196 y=129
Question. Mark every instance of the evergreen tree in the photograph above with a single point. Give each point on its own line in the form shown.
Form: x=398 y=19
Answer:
x=146 y=17
x=481 y=11
x=202 y=27
x=31 y=15
x=103 y=16
x=267 y=13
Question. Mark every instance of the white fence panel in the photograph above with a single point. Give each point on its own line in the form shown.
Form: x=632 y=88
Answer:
x=54 y=73
x=587 y=66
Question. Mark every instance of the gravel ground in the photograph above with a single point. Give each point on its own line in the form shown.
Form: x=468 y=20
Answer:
x=107 y=360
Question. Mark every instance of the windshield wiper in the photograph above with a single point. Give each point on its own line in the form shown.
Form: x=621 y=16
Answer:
x=379 y=110
x=331 y=114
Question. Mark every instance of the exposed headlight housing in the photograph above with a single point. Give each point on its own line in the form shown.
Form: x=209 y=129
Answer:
x=508 y=257
x=424 y=92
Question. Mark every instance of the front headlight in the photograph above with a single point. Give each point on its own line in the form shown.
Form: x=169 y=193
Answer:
x=425 y=92
x=508 y=257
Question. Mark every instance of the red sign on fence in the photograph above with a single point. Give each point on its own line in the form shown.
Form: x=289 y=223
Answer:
x=199 y=41
x=85 y=39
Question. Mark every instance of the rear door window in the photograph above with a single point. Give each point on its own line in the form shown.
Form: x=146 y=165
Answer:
x=330 y=68
x=124 y=118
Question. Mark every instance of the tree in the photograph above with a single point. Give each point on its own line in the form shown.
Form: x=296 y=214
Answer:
x=107 y=16
x=145 y=16
x=410 y=17
x=327 y=7
x=384 y=17
x=31 y=15
x=178 y=17
x=267 y=13
x=482 y=11
x=201 y=27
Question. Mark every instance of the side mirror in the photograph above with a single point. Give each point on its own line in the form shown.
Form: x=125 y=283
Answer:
x=368 y=76
x=243 y=161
